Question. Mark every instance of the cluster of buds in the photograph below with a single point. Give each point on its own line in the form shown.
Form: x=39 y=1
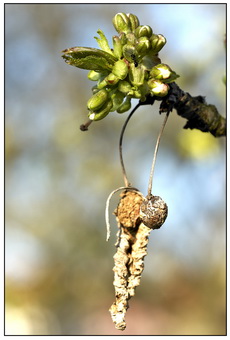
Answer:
x=132 y=69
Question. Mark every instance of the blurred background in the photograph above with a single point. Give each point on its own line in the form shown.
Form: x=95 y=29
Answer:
x=58 y=266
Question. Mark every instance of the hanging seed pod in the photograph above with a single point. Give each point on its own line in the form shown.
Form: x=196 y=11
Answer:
x=153 y=212
x=136 y=217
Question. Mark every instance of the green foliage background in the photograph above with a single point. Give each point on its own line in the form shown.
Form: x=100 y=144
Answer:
x=57 y=179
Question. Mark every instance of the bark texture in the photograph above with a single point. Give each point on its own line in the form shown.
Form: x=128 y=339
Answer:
x=200 y=115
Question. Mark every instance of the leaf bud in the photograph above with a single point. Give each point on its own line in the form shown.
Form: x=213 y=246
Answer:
x=123 y=38
x=117 y=47
x=137 y=94
x=97 y=100
x=157 y=41
x=143 y=31
x=120 y=69
x=160 y=71
x=117 y=99
x=143 y=46
x=93 y=75
x=111 y=79
x=129 y=52
x=163 y=72
x=103 y=112
x=125 y=106
x=131 y=39
x=124 y=86
x=103 y=42
x=122 y=23
x=136 y=75
x=134 y=21
x=102 y=83
x=158 y=88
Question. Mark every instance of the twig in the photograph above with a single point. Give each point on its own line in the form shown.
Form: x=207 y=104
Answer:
x=200 y=115
x=84 y=127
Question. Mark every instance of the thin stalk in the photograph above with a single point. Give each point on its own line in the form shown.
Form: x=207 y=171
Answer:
x=155 y=156
x=84 y=127
x=127 y=184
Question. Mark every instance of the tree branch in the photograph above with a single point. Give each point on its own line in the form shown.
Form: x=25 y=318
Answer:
x=200 y=115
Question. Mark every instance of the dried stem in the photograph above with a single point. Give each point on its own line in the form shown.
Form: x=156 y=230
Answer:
x=84 y=127
x=120 y=144
x=155 y=156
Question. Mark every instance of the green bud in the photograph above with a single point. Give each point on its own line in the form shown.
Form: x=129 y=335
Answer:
x=124 y=86
x=157 y=41
x=93 y=75
x=102 y=113
x=144 y=90
x=120 y=69
x=129 y=52
x=131 y=39
x=163 y=72
x=150 y=60
x=158 y=88
x=122 y=23
x=97 y=100
x=143 y=31
x=117 y=47
x=160 y=71
x=125 y=106
x=123 y=38
x=136 y=74
x=143 y=46
x=134 y=21
x=172 y=77
x=137 y=94
x=101 y=84
x=111 y=79
x=117 y=99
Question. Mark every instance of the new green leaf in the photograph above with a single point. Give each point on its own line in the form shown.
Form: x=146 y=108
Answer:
x=89 y=58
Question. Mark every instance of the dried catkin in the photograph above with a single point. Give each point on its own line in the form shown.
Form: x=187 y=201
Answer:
x=133 y=235
x=139 y=251
x=131 y=249
x=121 y=274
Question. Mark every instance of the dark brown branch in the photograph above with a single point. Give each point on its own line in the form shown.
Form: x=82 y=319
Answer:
x=200 y=115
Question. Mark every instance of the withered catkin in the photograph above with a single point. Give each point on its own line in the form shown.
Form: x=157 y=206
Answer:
x=131 y=246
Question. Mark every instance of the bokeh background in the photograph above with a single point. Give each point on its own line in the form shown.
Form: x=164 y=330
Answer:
x=58 y=266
